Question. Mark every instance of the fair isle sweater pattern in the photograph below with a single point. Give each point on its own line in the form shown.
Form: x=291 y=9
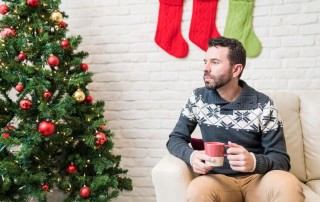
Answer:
x=263 y=118
x=251 y=121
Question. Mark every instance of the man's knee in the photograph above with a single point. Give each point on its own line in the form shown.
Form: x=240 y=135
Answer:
x=281 y=178
x=284 y=183
x=198 y=189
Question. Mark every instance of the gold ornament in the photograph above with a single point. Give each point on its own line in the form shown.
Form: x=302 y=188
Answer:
x=56 y=17
x=79 y=96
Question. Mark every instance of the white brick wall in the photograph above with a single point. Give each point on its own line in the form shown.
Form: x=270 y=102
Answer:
x=144 y=87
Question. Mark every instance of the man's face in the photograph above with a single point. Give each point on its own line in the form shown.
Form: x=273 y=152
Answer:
x=217 y=69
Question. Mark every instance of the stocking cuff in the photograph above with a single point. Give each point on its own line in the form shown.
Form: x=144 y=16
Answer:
x=172 y=2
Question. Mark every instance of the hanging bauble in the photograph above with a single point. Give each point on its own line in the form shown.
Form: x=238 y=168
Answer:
x=102 y=127
x=5 y=135
x=88 y=99
x=100 y=138
x=53 y=61
x=7 y=31
x=84 y=67
x=33 y=3
x=4 y=9
x=72 y=169
x=47 y=94
x=25 y=104
x=45 y=187
x=62 y=25
x=85 y=192
x=19 y=87
x=56 y=17
x=22 y=56
x=65 y=44
x=7 y=129
x=79 y=96
x=46 y=128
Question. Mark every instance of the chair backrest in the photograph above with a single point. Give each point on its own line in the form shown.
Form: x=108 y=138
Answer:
x=310 y=121
x=288 y=105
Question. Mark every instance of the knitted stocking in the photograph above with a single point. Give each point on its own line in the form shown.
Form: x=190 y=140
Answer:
x=203 y=25
x=168 y=34
x=239 y=26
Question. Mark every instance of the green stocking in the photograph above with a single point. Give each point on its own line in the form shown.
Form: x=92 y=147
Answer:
x=239 y=26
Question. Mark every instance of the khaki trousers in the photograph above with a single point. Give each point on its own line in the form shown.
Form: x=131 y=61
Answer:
x=274 y=186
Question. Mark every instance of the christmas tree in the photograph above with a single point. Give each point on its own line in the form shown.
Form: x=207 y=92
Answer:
x=53 y=134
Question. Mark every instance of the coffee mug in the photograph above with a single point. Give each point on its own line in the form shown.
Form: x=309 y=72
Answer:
x=217 y=151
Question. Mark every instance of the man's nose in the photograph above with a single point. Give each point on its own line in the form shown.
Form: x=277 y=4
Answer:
x=206 y=68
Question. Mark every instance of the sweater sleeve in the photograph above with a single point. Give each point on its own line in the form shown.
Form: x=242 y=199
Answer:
x=275 y=156
x=180 y=137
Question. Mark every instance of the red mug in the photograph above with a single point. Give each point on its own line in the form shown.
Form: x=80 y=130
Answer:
x=215 y=150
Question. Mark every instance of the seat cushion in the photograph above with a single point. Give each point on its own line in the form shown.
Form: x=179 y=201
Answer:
x=314 y=185
x=310 y=195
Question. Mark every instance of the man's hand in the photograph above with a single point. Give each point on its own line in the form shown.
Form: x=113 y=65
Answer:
x=239 y=158
x=197 y=162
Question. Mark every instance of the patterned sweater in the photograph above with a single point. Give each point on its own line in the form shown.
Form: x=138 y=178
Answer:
x=251 y=121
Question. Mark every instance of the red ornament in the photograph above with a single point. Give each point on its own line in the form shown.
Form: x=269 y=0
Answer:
x=25 y=104
x=65 y=44
x=100 y=138
x=33 y=3
x=5 y=135
x=84 y=67
x=63 y=25
x=22 y=56
x=46 y=128
x=4 y=9
x=7 y=129
x=85 y=192
x=7 y=31
x=102 y=127
x=19 y=87
x=53 y=61
x=88 y=99
x=45 y=187
x=47 y=94
x=72 y=169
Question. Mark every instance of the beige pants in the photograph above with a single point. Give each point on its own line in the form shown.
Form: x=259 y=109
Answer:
x=275 y=186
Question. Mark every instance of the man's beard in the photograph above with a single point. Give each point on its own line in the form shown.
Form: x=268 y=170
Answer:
x=217 y=82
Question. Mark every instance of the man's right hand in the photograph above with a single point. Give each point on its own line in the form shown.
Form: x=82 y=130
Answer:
x=197 y=162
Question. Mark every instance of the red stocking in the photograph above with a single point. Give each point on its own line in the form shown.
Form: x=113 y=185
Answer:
x=168 y=34
x=203 y=22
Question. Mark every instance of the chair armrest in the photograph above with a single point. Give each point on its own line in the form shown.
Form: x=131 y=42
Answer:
x=171 y=177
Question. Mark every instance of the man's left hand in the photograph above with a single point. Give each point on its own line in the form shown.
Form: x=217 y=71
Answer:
x=239 y=158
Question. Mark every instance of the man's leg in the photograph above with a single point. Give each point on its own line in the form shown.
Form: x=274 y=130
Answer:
x=275 y=186
x=214 y=188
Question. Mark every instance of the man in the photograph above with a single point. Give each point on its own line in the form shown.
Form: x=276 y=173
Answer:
x=228 y=110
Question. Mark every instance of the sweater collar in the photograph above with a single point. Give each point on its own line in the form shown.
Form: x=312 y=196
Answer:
x=248 y=98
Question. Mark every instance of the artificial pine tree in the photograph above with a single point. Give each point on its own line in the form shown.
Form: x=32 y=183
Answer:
x=53 y=134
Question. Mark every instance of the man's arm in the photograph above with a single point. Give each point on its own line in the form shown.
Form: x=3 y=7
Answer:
x=275 y=156
x=180 y=137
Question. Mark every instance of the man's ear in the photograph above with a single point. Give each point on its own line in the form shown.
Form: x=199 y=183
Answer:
x=237 y=70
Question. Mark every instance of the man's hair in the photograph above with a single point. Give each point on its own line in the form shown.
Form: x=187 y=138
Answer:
x=237 y=53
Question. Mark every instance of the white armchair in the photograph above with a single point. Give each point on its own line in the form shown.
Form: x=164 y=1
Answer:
x=300 y=115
